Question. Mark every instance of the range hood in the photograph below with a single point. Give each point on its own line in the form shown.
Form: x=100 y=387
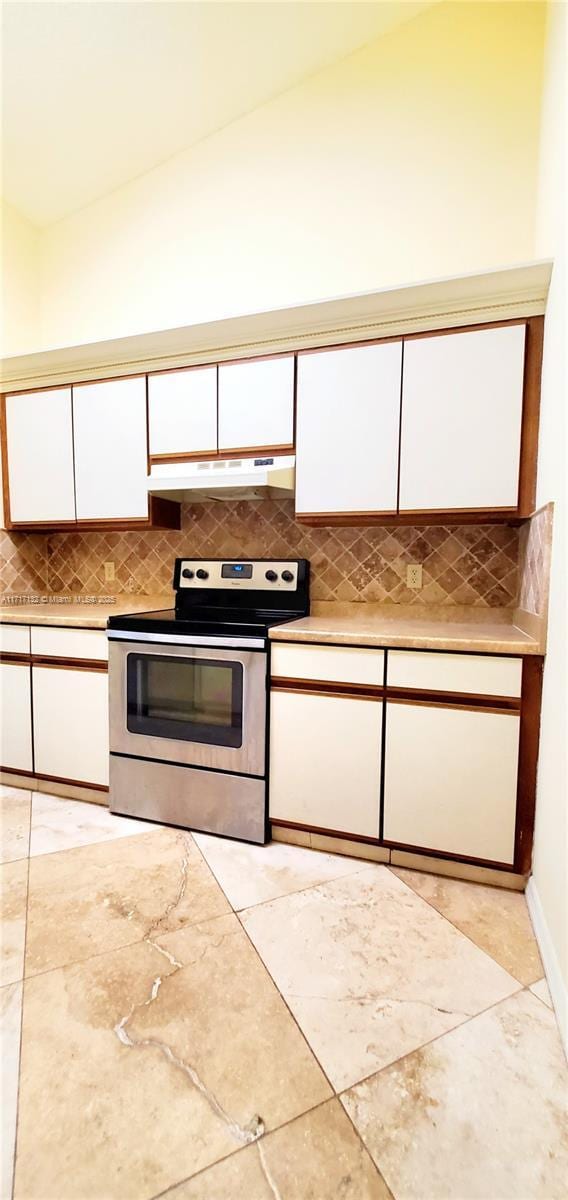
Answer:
x=224 y=479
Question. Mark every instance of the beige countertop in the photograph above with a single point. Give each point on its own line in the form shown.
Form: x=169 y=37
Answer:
x=432 y=628
x=83 y=612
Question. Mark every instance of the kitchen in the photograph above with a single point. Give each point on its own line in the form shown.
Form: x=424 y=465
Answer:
x=279 y=603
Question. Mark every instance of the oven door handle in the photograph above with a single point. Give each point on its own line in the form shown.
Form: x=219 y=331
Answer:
x=178 y=639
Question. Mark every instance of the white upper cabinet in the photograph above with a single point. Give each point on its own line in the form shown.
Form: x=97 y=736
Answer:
x=111 y=462
x=461 y=420
x=39 y=437
x=256 y=404
x=182 y=410
x=347 y=430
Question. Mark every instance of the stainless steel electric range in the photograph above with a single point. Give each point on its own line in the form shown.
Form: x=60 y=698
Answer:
x=188 y=696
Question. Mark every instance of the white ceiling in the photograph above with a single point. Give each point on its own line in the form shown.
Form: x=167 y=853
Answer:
x=96 y=92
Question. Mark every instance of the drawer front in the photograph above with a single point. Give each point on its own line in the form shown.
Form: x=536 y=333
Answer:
x=333 y=664
x=15 y=639
x=468 y=673
x=69 y=643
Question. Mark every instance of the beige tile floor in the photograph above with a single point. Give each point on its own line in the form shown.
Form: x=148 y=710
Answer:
x=193 y=1018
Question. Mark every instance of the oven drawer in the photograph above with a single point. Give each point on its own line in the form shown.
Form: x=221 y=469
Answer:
x=193 y=705
x=211 y=801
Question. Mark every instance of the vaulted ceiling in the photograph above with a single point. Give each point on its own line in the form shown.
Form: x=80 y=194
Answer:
x=97 y=92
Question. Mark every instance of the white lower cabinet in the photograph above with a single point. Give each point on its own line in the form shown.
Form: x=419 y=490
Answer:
x=15 y=717
x=451 y=780
x=70 y=720
x=325 y=761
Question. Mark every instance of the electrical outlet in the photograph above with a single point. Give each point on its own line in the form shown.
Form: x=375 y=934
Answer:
x=414 y=575
x=109 y=572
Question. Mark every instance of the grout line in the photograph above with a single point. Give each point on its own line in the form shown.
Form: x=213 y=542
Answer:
x=240 y=1149
x=79 y=962
x=393 y=867
x=437 y=1037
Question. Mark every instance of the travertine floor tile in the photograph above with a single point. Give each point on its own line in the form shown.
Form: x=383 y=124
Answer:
x=498 y=921
x=59 y=824
x=10 y=1017
x=479 y=1114
x=316 y=1157
x=370 y=970
x=155 y=1064
x=15 y=806
x=13 y=894
x=542 y=990
x=254 y=874
x=95 y=898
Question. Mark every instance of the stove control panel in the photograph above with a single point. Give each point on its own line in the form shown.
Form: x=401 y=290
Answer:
x=243 y=574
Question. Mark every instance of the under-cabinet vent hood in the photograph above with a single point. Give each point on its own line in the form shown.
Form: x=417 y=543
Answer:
x=224 y=479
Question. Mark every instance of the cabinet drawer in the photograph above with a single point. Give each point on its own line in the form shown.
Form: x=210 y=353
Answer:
x=15 y=639
x=69 y=643
x=335 y=664
x=468 y=673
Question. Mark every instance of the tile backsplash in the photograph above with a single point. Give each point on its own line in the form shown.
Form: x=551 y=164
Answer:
x=535 y=547
x=462 y=565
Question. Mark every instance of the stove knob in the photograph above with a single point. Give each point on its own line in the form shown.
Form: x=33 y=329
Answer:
x=271 y=576
x=201 y=574
x=187 y=574
x=287 y=577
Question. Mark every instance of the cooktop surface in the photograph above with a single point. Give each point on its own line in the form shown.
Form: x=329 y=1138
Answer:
x=165 y=621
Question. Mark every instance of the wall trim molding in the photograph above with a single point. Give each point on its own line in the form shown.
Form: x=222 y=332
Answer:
x=503 y=294
x=558 y=989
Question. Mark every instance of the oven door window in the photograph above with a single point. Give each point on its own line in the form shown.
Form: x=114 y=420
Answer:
x=192 y=699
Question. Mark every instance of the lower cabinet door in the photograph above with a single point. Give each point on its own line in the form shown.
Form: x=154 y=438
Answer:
x=451 y=780
x=71 y=724
x=325 y=762
x=15 y=717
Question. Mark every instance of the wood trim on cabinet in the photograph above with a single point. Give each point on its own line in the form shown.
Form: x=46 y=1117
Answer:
x=452 y=516
x=531 y=693
x=485 y=705
x=96 y=787
x=438 y=699
x=530 y=415
x=7 y=656
x=257 y=451
x=4 y=459
x=465 y=858
x=18 y=771
x=162 y=514
x=184 y=456
x=338 y=833
x=216 y=455
x=69 y=664
x=325 y=687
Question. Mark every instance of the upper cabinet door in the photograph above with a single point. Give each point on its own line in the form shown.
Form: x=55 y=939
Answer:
x=256 y=404
x=111 y=463
x=39 y=437
x=347 y=430
x=462 y=403
x=182 y=409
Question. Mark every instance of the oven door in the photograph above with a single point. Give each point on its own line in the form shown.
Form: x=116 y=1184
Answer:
x=189 y=704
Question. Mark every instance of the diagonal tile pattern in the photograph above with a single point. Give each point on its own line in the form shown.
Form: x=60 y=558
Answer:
x=369 y=971
x=206 y=1020
x=461 y=565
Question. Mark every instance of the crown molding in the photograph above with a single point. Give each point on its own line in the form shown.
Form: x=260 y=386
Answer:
x=519 y=291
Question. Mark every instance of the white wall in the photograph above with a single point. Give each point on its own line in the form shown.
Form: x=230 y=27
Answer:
x=19 y=315
x=413 y=158
x=549 y=887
